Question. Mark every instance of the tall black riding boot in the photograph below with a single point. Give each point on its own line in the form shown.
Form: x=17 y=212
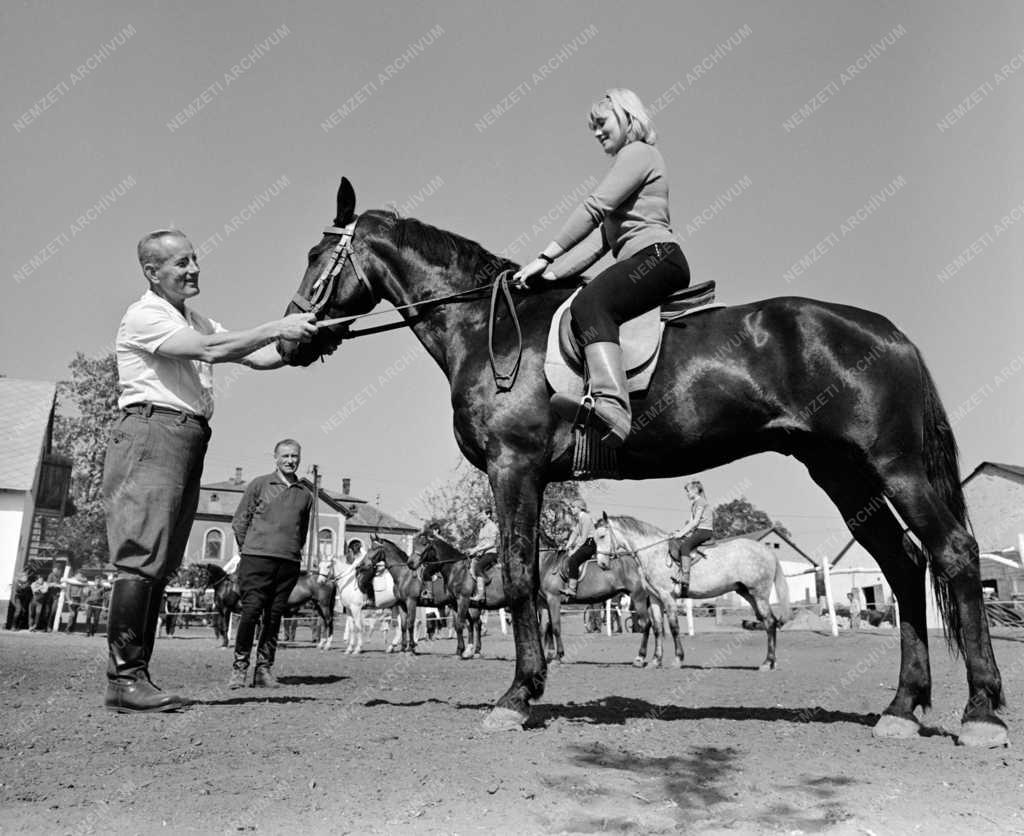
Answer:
x=129 y=689
x=153 y=607
x=263 y=676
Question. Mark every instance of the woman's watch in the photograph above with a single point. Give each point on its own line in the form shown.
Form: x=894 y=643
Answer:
x=545 y=257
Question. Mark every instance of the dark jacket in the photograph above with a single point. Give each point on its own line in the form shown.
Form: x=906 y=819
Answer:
x=273 y=517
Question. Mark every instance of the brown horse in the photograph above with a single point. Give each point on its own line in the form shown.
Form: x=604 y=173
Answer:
x=840 y=389
x=407 y=586
x=310 y=588
x=436 y=555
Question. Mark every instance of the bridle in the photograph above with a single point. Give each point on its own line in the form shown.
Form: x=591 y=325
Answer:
x=323 y=288
x=616 y=551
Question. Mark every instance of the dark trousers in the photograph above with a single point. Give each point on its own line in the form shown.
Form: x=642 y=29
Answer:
x=92 y=618
x=151 y=481
x=36 y=613
x=73 y=607
x=580 y=556
x=679 y=549
x=264 y=584
x=479 y=566
x=627 y=289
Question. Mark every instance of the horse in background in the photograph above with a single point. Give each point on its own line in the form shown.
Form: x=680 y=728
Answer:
x=407 y=587
x=739 y=565
x=597 y=584
x=435 y=556
x=311 y=588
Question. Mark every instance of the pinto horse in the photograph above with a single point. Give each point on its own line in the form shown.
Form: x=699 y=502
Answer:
x=739 y=565
x=730 y=382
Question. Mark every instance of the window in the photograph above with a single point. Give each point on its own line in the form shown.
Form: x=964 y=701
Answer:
x=326 y=541
x=213 y=545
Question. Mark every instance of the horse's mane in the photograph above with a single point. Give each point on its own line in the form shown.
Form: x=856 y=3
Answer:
x=444 y=248
x=631 y=525
x=442 y=545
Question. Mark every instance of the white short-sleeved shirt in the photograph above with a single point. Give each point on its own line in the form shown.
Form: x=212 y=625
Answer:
x=147 y=377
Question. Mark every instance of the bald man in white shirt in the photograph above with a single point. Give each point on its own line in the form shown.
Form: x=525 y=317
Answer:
x=165 y=356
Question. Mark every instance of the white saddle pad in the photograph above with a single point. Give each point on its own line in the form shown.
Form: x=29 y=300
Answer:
x=641 y=346
x=384 y=591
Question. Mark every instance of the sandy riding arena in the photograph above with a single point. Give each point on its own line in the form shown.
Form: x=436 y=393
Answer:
x=394 y=744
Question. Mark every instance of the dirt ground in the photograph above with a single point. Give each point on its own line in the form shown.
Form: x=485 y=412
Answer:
x=393 y=744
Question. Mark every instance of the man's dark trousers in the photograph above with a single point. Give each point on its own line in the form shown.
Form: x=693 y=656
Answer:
x=264 y=584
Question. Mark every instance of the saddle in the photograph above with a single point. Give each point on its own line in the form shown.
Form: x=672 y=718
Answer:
x=561 y=566
x=640 y=338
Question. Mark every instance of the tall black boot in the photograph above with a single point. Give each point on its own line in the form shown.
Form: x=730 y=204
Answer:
x=129 y=689
x=263 y=676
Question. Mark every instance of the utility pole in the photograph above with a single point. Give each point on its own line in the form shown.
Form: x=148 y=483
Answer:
x=313 y=539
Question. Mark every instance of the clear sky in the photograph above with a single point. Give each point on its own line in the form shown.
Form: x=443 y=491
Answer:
x=779 y=121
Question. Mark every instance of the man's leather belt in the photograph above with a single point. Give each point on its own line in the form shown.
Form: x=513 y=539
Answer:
x=147 y=409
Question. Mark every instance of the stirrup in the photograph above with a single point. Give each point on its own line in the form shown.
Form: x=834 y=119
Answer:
x=577 y=413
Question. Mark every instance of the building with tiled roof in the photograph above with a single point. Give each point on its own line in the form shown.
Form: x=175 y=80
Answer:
x=34 y=481
x=994 y=494
x=341 y=517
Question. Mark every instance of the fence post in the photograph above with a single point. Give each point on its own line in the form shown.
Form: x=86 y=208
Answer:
x=501 y=617
x=608 y=616
x=689 y=617
x=828 y=595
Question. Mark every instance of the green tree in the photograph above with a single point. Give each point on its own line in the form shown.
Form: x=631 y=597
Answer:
x=457 y=509
x=741 y=517
x=86 y=410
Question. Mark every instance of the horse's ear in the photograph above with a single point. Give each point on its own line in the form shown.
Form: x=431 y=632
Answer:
x=346 y=208
x=604 y=516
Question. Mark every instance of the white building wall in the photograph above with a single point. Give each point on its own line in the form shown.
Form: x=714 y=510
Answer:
x=15 y=530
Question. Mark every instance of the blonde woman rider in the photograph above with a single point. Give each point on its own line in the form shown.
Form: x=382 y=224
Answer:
x=630 y=206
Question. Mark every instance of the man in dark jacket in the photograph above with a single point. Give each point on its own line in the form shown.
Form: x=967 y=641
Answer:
x=270 y=528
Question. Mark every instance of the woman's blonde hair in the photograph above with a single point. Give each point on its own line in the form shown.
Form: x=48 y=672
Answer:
x=629 y=110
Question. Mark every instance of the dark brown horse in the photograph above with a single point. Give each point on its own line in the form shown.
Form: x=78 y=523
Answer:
x=840 y=389
x=435 y=554
x=309 y=589
x=407 y=586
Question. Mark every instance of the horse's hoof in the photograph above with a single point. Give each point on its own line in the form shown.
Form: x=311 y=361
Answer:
x=891 y=727
x=638 y=662
x=982 y=735
x=555 y=660
x=677 y=663
x=768 y=666
x=478 y=656
x=504 y=719
x=654 y=663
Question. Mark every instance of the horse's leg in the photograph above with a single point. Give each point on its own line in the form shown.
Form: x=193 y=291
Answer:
x=673 y=625
x=957 y=578
x=555 y=607
x=473 y=625
x=877 y=530
x=760 y=604
x=410 y=619
x=517 y=499
x=643 y=608
x=461 y=614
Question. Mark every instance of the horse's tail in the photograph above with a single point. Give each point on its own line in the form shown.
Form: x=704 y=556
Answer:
x=782 y=591
x=941 y=462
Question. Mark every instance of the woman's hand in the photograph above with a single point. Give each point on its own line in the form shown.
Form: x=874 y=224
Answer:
x=537 y=267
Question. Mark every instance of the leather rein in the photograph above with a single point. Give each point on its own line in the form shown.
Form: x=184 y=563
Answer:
x=325 y=286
